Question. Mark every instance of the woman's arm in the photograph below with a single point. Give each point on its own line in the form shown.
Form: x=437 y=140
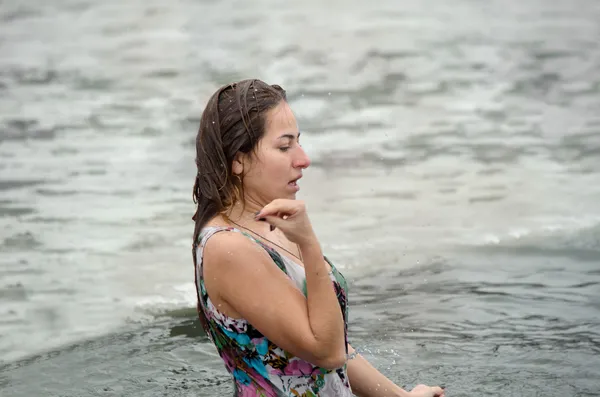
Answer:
x=241 y=274
x=367 y=381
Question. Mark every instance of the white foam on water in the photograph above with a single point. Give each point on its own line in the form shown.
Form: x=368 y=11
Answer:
x=181 y=296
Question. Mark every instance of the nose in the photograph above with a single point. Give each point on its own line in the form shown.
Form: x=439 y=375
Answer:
x=302 y=160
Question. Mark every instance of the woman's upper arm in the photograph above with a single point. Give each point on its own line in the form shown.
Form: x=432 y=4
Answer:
x=246 y=278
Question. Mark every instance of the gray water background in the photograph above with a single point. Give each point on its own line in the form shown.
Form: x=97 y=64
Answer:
x=455 y=180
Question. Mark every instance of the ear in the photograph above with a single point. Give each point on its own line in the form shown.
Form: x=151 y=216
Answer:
x=237 y=166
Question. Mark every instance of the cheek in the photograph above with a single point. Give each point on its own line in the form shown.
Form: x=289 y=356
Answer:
x=272 y=166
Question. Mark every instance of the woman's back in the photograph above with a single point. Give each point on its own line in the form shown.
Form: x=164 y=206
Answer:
x=257 y=364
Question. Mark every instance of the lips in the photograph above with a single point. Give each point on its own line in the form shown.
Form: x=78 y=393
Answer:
x=293 y=181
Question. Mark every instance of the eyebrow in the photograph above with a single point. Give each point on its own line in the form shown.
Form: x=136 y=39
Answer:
x=289 y=136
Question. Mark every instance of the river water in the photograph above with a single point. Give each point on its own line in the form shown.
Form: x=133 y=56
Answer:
x=455 y=181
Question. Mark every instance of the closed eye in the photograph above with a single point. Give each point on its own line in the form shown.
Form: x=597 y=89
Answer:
x=290 y=140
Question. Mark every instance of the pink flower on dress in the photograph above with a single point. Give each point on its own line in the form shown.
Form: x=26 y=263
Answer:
x=299 y=368
x=246 y=390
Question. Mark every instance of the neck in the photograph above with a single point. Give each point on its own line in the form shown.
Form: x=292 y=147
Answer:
x=243 y=214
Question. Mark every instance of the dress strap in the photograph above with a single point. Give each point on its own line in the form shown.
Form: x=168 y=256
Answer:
x=204 y=236
x=210 y=231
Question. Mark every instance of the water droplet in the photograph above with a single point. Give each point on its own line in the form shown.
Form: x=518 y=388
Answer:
x=329 y=93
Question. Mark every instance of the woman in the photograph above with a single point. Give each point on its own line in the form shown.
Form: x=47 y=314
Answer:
x=272 y=304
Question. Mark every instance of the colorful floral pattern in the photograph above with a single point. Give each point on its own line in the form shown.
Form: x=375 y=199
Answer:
x=258 y=366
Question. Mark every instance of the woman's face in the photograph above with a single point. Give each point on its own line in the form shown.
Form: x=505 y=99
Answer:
x=273 y=172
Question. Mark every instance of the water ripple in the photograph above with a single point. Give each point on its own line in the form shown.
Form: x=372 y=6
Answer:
x=458 y=144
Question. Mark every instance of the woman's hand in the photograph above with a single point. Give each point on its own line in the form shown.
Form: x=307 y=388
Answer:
x=291 y=218
x=426 y=391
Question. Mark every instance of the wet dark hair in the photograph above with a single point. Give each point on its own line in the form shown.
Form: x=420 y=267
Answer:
x=233 y=121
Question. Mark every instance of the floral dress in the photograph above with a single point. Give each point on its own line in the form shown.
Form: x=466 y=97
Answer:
x=257 y=365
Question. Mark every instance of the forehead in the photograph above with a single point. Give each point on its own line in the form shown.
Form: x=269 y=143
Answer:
x=280 y=120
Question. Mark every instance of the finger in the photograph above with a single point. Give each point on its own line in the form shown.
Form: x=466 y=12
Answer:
x=273 y=220
x=284 y=207
x=282 y=215
x=438 y=391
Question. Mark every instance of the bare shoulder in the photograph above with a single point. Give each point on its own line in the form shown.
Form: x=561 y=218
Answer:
x=237 y=270
x=231 y=249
